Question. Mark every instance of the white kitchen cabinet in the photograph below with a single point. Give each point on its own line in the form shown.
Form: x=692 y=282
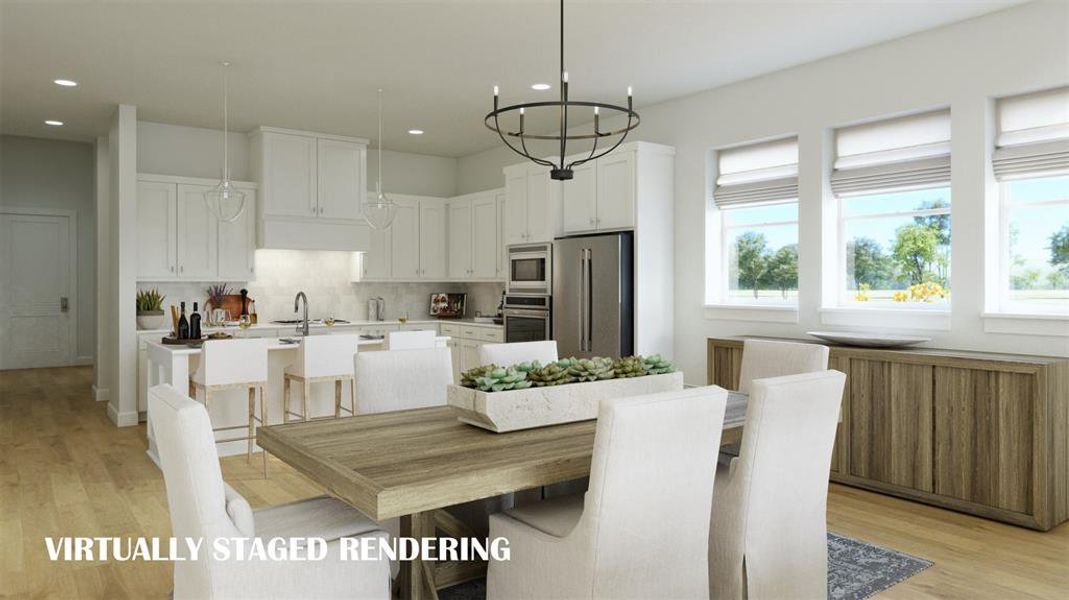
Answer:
x=499 y=199
x=198 y=241
x=290 y=176
x=532 y=204
x=579 y=208
x=157 y=209
x=616 y=190
x=465 y=340
x=376 y=261
x=484 y=237
x=432 y=242
x=341 y=168
x=516 y=204
x=237 y=244
x=404 y=240
x=460 y=238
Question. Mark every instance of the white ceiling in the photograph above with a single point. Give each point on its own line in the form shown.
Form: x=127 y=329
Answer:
x=316 y=66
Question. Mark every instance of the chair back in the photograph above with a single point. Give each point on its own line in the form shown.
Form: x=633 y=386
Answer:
x=768 y=358
x=411 y=340
x=195 y=490
x=505 y=355
x=653 y=455
x=225 y=362
x=326 y=355
x=402 y=379
x=782 y=470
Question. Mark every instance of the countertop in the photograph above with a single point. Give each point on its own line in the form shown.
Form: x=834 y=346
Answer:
x=269 y=325
x=272 y=345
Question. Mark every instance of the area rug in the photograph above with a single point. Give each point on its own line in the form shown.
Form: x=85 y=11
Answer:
x=856 y=570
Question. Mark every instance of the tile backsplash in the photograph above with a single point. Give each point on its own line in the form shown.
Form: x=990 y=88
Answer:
x=325 y=278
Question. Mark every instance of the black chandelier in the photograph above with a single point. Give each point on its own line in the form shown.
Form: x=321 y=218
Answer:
x=561 y=170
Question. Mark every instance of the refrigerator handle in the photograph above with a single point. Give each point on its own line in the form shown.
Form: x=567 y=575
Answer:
x=589 y=300
x=582 y=299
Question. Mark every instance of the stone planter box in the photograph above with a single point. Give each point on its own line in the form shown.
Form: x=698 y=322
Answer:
x=514 y=410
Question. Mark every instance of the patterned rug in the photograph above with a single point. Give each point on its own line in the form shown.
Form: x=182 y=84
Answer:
x=856 y=570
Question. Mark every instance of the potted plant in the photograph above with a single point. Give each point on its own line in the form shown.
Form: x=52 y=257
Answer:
x=150 y=309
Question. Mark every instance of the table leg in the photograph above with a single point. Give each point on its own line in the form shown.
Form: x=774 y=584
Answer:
x=417 y=577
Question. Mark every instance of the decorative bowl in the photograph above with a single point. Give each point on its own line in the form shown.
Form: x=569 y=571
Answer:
x=869 y=340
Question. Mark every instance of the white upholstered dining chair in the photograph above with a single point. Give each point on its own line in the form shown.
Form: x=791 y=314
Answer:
x=411 y=340
x=321 y=359
x=203 y=506
x=770 y=358
x=505 y=355
x=654 y=456
x=402 y=379
x=769 y=531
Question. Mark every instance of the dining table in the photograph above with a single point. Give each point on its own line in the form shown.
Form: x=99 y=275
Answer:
x=412 y=464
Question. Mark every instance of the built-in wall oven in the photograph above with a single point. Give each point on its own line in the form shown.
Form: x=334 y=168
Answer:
x=528 y=317
x=530 y=269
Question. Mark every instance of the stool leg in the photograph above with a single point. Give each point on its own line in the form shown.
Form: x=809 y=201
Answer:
x=352 y=396
x=192 y=390
x=304 y=399
x=263 y=421
x=337 y=398
x=285 y=399
x=252 y=414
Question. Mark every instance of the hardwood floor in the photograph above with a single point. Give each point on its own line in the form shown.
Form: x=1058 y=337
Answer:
x=65 y=470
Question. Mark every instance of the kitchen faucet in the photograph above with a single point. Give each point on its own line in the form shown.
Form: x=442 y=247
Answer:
x=302 y=328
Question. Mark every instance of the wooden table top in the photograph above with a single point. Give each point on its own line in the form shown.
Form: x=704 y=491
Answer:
x=400 y=463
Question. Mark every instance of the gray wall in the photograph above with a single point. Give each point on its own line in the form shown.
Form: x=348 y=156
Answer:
x=39 y=173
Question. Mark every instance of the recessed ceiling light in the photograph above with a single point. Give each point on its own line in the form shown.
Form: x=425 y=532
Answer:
x=415 y=131
x=53 y=122
x=65 y=82
x=540 y=86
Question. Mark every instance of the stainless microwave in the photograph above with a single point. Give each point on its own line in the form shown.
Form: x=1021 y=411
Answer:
x=530 y=268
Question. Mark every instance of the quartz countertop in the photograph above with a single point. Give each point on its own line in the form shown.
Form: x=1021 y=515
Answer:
x=354 y=323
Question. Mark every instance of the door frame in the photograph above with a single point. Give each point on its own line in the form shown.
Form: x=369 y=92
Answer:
x=72 y=243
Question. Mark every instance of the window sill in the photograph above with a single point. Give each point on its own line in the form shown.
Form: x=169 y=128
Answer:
x=1054 y=325
x=764 y=313
x=881 y=319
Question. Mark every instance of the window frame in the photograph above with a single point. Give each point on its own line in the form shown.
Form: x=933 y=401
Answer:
x=1005 y=304
x=724 y=284
x=844 y=296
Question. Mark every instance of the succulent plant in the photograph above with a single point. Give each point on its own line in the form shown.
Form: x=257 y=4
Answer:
x=565 y=363
x=499 y=380
x=629 y=366
x=551 y=374
x=527 y=367
x=655 y=365
x=469 y=378
x=150 y=300
x=591 y=369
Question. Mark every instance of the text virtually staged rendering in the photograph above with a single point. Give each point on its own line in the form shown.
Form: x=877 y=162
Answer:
x=534 y=299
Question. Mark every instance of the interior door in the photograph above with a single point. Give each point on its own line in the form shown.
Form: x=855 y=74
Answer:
x=340 y=178
x=404 y=240
x=485 y=237
x=460 y=239
x=579 y=197
x=36 y=291
x=432 y=249
x=157 y=208
x=198 y=242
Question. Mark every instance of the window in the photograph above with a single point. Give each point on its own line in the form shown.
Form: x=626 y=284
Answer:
x=892 y=181
x=1031 y=162
x=757 y=197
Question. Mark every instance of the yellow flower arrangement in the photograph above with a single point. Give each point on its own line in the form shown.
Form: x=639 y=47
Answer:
x=862 y=294
x=929 y=291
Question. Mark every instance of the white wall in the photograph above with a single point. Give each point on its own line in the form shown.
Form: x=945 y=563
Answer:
x=197 y=152
x=962 y=66
x=122 y=227
x=40 y=173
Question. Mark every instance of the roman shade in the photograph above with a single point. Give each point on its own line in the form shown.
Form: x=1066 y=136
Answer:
x=900 y=153
x=757 y=173
x=1033 y=135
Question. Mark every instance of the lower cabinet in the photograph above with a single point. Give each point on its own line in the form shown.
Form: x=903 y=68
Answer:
x=979 y=433
x=464 y=342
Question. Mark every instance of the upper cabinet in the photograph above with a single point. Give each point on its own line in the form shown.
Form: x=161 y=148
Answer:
x=178 y=238
x=602 y=195
x=413 y=247
x=312 y=187
x=475 y=236
x=532 y=204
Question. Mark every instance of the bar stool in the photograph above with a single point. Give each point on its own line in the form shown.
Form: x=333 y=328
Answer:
x=321 y=358
x=411 y=340
x=229 y=365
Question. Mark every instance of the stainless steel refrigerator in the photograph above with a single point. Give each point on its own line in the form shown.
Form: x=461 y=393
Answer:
x=593 y=295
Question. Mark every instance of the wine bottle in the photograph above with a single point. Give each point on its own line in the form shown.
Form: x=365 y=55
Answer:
x=194 y=324
x=183 y=324
x=252 y=311
x=244 y=302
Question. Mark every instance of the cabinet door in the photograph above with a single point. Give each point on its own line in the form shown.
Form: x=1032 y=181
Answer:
x=460 y=239
x=454 y=356
x=516 y=206
x=156 y=245
x=289 y=175
x=484 y=262
x=578 y=200
x=616 y=191
x=237 y=243
x=341 y=167
x=404 y=240
x=376 y=260
x=197 y=235
x=542 y=194
x=432 y=249
x=499 y=199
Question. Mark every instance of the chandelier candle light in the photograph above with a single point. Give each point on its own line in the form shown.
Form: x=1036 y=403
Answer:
x=380 y=210
x=224 y=194
x=561 y=170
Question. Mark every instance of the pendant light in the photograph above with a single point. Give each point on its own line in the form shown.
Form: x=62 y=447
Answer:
x=224 y=201
x=380 y=210
x=561 y=170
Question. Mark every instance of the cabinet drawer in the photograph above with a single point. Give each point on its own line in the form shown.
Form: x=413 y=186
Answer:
x=450 y=330
x=486 y=334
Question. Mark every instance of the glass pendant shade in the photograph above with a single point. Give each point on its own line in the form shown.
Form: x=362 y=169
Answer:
x=225 y=202
x=379 y=210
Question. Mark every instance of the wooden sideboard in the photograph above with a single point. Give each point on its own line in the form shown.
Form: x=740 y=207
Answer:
x=986 y=434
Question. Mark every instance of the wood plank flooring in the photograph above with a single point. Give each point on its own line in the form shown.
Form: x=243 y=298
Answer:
x=66 y=470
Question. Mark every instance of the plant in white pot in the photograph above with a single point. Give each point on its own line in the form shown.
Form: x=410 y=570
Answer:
x=150 y=309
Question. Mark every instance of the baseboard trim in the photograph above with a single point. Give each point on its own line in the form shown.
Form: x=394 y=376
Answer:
x=82 y=361
x=100 y=394
x=122 y=419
